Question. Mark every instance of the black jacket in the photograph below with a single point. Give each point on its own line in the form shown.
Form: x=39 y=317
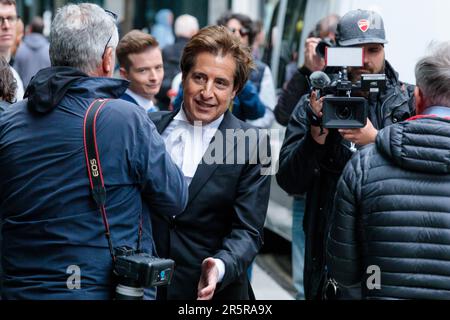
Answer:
x=306 y=166
x=393 y=212
x=224 y=218
x=290 y=96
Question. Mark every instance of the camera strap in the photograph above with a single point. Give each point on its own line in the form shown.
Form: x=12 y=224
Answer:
x=94 y=167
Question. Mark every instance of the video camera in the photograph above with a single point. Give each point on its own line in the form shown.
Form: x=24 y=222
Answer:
x=341 y=110
x=136 y=270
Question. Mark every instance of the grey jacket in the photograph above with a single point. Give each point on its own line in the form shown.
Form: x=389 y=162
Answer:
x=32 y=56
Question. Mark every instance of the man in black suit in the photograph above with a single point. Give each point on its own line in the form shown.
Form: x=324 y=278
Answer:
x=221 y=231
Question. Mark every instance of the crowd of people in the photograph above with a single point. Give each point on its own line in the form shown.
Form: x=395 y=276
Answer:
x=369 y=198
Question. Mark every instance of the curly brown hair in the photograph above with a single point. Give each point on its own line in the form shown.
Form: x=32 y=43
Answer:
x=8 y=84
x=218 y=40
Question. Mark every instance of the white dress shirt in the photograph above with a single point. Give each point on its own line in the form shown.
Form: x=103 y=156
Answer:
x=186 y=144
x=143 y=102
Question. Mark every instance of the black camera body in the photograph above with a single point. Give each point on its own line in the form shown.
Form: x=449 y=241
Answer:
x=136 y=270
x=322 y=45
x=345 y=105
x=341 y=110
x=344 y=112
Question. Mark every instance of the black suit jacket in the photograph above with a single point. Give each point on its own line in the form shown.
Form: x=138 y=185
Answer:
x=224 y=218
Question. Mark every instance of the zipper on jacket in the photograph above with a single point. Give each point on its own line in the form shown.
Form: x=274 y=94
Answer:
x=381 y=113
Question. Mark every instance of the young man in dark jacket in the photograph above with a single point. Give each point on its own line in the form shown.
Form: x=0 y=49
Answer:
x=297 y=87
x=312 y=159
x=392 y=207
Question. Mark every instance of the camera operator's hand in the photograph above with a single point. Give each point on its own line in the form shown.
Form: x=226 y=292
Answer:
x=361 y=137
x=208 y=280
x=318 y=134
x=312 y=60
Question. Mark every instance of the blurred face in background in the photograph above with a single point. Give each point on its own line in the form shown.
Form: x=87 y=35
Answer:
x=209 y=87
x=373 y=61
x=20 y=33
x=239 y=30
x=8 y=22
x=145 y=73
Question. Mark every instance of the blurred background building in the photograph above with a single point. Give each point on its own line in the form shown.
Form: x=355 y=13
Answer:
x=140 y=14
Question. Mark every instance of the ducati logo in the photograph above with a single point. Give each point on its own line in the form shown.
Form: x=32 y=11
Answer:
x=363 y=25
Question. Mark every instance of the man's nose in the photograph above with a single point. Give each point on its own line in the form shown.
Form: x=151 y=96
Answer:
x=207 y=91
x=152 y=75
x=366 y=57
x=5 y=24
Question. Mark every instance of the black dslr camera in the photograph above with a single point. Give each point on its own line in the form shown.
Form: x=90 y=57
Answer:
x=136 y=271
x=341 y=109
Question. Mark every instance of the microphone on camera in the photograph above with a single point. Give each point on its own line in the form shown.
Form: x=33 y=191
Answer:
x=319 y=80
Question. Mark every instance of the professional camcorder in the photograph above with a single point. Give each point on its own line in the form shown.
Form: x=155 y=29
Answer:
x=136 y=270
x=341 y=108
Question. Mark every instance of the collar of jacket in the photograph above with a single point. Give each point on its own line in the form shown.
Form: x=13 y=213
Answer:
x=433 y=112
x=391 y=74
x=49 y=86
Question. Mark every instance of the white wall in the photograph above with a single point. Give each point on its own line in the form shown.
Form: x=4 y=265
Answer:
x=116 y=6
x=248 y=7
x=411 y=25
x=215 y=9
x=252 y=8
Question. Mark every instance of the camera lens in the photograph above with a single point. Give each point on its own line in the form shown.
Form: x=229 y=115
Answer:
x=343 y=112
x=128 y=289
x=129 y=293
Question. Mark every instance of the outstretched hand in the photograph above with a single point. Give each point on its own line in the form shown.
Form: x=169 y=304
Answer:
x=208 y=280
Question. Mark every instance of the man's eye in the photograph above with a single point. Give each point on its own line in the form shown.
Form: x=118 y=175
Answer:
x=221 y=84
x=199 y=78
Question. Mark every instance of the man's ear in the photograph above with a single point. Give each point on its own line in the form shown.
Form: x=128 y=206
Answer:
x=233 y=94
x=123 y=73
x=420 y=100
x=108 y=61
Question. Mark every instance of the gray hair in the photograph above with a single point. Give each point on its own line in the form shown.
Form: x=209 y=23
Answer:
x=433 y=75
x=79 y=36
x=186 y=26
